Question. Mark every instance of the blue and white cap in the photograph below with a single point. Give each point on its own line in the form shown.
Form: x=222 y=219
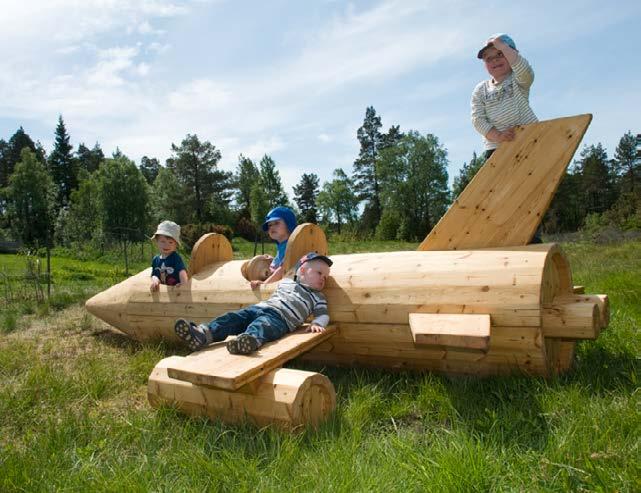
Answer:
x=503 y=37
x=311 y=256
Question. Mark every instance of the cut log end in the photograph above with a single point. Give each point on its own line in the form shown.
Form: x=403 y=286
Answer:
x=574 y=317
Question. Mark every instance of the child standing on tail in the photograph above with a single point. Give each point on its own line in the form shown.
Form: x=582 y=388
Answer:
x=502 y=102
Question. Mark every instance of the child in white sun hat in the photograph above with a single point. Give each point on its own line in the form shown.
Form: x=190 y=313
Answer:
x=167 y=267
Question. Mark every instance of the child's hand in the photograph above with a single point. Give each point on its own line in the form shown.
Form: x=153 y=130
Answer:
x=507 y=135
x=316 y=328
x=255 y=284
x=497 y=43
x=495 y=135
x=155 y=283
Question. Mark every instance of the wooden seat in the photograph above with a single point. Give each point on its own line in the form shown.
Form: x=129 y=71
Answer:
x=210 y=248
x=216 y=367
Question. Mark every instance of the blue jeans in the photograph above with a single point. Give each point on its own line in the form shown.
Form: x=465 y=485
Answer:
x=265 y=324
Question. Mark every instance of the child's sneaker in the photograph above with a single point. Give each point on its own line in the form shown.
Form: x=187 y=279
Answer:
x=243 y=344
x=195 y=336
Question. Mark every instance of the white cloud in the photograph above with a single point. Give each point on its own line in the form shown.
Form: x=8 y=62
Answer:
x=200 y=95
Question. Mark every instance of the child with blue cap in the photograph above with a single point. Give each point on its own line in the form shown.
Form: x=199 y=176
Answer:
x=502 y=102
x=279 y=224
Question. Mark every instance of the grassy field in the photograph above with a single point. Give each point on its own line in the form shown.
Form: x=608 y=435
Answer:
x=74 y=414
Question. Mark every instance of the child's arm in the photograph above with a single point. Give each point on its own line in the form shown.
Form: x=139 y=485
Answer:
x=184 y=278
x=523 y=73
x=155 y=283
x=495 y=135
x=321 y=317
x=277 y=275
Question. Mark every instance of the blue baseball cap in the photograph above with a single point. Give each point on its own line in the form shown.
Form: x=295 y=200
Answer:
x=283 y=213
x=503 y=37
x=311 y=256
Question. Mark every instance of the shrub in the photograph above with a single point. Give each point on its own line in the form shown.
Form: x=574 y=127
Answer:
x=245 y=229
x=191 y=233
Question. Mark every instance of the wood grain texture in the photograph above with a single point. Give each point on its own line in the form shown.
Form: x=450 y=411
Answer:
x=210 y=248
x=506 y=200
x=451 y=331
x=307 y=237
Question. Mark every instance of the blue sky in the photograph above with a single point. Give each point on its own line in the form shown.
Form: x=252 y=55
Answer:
x=293 y=79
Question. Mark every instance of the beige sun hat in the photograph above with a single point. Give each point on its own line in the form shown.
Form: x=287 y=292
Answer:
x=168 y=228
x=256 y=269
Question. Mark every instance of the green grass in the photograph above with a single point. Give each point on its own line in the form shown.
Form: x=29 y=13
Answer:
x=74 y=414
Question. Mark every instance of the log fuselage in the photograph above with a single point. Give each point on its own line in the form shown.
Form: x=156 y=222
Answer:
x=371 y=295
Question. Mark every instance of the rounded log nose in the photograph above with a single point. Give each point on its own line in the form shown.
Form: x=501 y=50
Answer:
x=110 y=307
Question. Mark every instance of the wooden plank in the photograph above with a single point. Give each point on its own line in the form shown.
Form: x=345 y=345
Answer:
x=451 y=330
x=215 y=367
x=506 y=200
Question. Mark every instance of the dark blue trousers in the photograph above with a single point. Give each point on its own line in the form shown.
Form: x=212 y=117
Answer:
x=265 y=324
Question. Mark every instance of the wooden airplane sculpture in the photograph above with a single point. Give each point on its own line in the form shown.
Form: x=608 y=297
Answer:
x=474 y=299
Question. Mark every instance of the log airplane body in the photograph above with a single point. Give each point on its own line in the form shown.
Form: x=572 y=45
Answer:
x=474 y=299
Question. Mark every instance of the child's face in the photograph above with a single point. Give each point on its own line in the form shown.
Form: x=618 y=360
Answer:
x=166 y=244
x=277 y=230
x=314 y=274
x=496 y=64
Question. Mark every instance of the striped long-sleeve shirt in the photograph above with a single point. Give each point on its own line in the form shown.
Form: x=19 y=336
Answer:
x=505 y=104
x=295 y=302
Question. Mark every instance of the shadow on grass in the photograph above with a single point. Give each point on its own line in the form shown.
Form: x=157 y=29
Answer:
x=501 y=410
x=600 y=370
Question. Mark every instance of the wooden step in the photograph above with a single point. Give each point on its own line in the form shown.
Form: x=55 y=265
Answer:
x=455 y=331
x=216 y=367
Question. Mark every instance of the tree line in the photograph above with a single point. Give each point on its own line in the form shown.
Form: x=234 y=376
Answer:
x=397 y=189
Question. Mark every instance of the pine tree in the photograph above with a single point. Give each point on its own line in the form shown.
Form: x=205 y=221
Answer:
x=18 y=141
x=364 y=175
x=62 y=164
x=149 y=168
x=597 y=179
x=391 y=138
x=271 y=183
x=195 y=165
x=305 y=194
x=247 y=175
x=89 y=159
x=628 y=165
x=466 y=173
